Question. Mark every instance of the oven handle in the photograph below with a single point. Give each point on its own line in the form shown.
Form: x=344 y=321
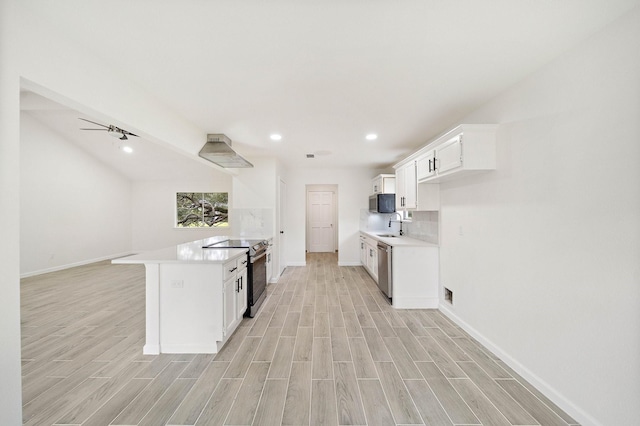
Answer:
x=258 y=257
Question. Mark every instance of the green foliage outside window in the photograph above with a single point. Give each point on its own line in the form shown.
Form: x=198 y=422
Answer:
x=202 y=210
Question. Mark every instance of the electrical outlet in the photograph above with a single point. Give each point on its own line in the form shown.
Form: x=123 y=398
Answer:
x=177 y=284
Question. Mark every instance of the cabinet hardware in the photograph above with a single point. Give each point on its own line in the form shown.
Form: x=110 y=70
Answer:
x=234 y=268
x=241 y=279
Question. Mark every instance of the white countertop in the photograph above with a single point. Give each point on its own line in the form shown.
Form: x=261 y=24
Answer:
x=186 y=253
x=399 y=241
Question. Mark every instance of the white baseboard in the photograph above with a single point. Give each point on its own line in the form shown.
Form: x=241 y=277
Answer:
x=415 y=302
x=151 y=350
x=73 y=265
x=556 y=397
x=189 y=349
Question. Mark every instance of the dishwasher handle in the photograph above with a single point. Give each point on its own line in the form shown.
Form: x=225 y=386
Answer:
x=385 y=247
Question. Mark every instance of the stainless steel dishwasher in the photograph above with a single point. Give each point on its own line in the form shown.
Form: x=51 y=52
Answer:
x=385 y=280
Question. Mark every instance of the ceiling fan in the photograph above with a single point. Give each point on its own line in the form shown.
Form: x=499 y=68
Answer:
x=112 y=130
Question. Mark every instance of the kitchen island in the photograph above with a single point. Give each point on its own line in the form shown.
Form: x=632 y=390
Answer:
x=195 y=297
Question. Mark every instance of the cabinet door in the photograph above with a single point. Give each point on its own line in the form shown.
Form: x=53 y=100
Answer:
x=376 y=186
x=410 y=186
x=363 y=252
x=388 y=185
x=372 y=260
x=449 y=155
x=229 y=307
x=241 y=301
x=269 y=266
x=426 y=166
x=400 y=190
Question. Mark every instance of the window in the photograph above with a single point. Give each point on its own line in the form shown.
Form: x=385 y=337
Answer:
x=202 y=209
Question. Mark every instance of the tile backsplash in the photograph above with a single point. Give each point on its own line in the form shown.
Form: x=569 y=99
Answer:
x=423 y=226
x=252 y=222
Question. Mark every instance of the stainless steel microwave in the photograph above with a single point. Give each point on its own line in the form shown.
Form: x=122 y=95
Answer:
x=382 y=203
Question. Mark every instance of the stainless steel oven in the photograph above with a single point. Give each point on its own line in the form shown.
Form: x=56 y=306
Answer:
x=257 y=288
x=256 y=270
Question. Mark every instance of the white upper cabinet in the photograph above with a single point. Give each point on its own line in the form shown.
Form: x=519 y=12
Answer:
x=426 y=165
x=448 y=155
x=411 y=195
x=466 y=149
x=406 y=186
x=383 y=184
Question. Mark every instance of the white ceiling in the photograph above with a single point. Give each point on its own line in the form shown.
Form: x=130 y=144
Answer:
x=148 y=161
x=325 y=73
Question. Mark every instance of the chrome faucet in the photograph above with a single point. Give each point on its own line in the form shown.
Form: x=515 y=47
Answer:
x=400 y=221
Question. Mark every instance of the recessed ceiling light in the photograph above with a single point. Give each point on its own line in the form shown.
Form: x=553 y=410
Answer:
x=371 y=137
x=127 y=149
x=275 y=137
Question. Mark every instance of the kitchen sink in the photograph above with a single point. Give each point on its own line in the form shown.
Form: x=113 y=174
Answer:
x=387 y=235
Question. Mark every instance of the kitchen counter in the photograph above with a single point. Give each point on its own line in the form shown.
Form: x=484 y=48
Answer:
x=414 y=269
x=185 y=253
x=194 y=299
x=399 y=240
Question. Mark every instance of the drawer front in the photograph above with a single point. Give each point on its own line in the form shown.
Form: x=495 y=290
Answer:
x=242 y=262
x=230 y=269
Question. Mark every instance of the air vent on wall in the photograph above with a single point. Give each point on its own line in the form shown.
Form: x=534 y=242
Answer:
x=311 y=156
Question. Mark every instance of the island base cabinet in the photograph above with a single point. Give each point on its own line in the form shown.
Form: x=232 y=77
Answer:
x=415 y=273
x=191 y=307
x=230 y=305
x=235 y=301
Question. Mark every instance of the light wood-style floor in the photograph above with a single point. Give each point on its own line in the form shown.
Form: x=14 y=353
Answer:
x=326 y=349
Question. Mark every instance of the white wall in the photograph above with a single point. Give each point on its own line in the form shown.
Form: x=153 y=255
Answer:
x=10 y=385
x=73 y=208
x=547 y=269
x=354 y=186
x=154 y=206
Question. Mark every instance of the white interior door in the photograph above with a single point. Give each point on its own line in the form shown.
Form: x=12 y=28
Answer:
x=320 y=221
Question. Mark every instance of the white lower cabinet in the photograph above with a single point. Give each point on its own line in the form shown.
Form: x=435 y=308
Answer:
x=369 y=255
x=235 y=294
x=229 y=307
x=414 y=271
x=372 y=261
x=269 y=265
x=241 y=297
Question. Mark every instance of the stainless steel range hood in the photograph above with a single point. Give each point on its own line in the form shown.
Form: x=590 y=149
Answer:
x=218 y=150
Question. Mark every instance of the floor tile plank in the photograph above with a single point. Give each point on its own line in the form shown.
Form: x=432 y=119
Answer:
x=298 y=399
x=308 y=357
x=323 y=403
x=349 y=404
x=401 y=403
x=375 y=403
x=272 y=403
x=246 y=403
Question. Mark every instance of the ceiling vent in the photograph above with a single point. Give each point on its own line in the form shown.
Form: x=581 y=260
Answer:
x=311 y=156
x=218 y=151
